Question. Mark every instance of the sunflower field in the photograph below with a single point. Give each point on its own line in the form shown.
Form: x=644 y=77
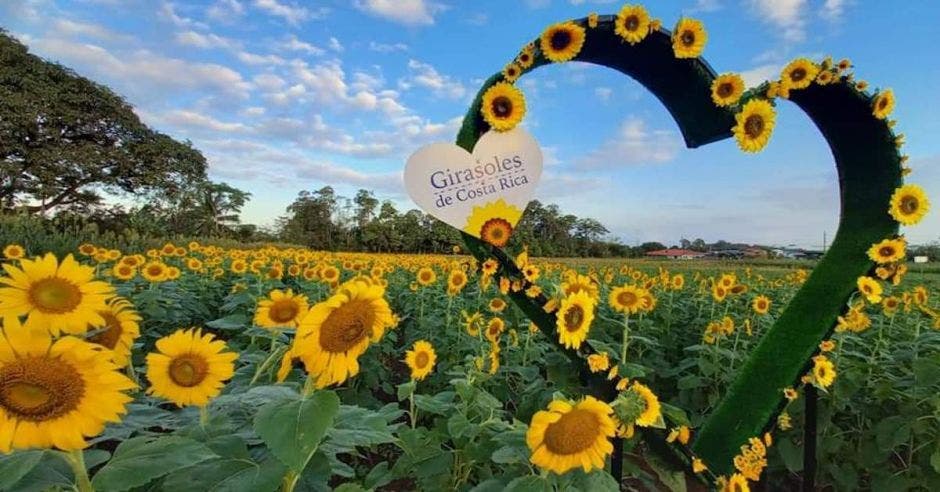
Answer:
x=200 y=367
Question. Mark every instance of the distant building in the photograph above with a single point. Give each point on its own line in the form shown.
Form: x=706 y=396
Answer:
x=676 y=254
x=921 y=259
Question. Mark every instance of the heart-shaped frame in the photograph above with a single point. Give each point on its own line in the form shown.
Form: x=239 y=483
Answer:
x=869 y=168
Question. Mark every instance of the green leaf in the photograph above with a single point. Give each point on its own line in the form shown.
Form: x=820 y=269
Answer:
x=293 y=428
x=598 y=481
x=230 y=322
x=228 y=475
x=349 y=487
x=528 y=484
x=439 y=404
x=139 y=460
x=673 y=479
x=935 y=461
x=405 y=390
x=15 y=466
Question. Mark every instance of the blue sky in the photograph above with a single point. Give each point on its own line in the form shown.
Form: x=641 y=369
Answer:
x=283 y=95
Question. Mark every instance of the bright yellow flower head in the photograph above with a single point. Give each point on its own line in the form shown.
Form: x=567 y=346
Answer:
x=688 y=38
x=189 y=367
x=799 y=74
x=57 y=297
x=119 y=331
x=887 y=251
x=909 y=204
x=55 y=394
x=632 y=23
x=14 y=252
x=281 y=309
x=337 y=331
x=503 y=106
x=420 y=359
x=883 y=104
x=727 y=89
x=562 y=42
x=493 y=222
x=755 y=123
x=571 y=435
x=574 y=319
x=870 y=288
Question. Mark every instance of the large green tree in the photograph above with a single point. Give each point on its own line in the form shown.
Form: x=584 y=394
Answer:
x=64 y=139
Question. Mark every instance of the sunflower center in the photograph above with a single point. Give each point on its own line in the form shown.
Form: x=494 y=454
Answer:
x=346 y=326
x=632 y=23
x=574 y=318
x=754 y=125
x=909 y=204
x=55 y=295
x=283 y=310
x=188 y=370
x=883 y=103
x=886 y=251
x=422 y=359
x=155 y=270
x=560 y=40
x=798 y=74
x=687 y=38
x=573 y=433
x=725 y=90
x=627 y=298
x=38 y=389
x=496 y=231
x=109 y=336
x=502 y=107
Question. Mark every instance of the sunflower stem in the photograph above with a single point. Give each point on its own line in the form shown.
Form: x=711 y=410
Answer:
x=309 y=387
x=204 y=416
x=626 y=338
x=290 y=481
x=412 y=410
x=76 y=460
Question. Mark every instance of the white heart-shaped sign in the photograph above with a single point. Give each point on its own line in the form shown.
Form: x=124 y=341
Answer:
x=482 y=194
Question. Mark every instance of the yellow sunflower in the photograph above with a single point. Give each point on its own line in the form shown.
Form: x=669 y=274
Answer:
x=632 y=23
x=14 y=252
x=599 y=362
x=627 y=299
x=909 y=204
x=526 y=57
x=121 y=271
x=883 y=104
x=727 y=89
x=493 y=222
x=472 y=323
x=887 y=251
x=189 y=368
x=570 y=435
x=592 y=19
x=761 y=304
x=420 y=359
x=337 y=331
x=799 y=74
x=426 y=276
x=456 y=281
x=58 y=297
x=55 y=394
x=754 y=125
x=574 y=319
x=562 y=42
x=511 y=72
x=281 y=309
x=497 y=305
x=155 y=271
x=503 y=106
x=119 y=330
x=870 y=288
x=652 y=412
x=688 y=38
x=824 y=371
x=737 y=483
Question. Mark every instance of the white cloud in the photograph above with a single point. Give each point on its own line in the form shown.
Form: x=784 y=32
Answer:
x=254 y=111
x=603 y=93
x=268 y=82
x=788 y=15
x=833 y=9
x=142 y=71
x=407 y=12
x=292 y=14
x=67 y=27
x=256 y=59
x=225 y=10
x=335 y=45
x=760 y=74
x=168 y=11
x=633 y=144
x=425 y=76
x=191 y=119
x=294 y=44
x=205 y=41
x=387 y=48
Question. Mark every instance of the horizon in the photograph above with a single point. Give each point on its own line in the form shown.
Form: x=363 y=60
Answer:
x=282 y=97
